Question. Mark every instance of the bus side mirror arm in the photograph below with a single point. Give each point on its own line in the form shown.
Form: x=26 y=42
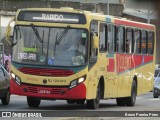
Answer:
x=8 y=32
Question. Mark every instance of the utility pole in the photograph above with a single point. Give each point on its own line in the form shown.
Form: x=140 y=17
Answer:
x=149 y=14
x=107 y=7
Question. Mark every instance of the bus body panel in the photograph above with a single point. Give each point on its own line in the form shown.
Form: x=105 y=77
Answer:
x=118 y=70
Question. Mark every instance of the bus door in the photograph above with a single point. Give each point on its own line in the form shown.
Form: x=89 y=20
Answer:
x=93 y=64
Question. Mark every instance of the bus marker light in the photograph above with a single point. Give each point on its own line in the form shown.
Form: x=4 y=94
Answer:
x=13 y=75
x=73 y=83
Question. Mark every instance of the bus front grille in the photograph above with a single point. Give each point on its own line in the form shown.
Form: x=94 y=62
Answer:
x=46 y=72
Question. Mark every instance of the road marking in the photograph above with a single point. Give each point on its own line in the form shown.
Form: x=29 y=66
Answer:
x=139 y=98
x=156 y=99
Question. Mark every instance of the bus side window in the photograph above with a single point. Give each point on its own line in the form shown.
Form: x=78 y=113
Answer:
x=102 y=36
x=111 y=38
x=120 y=39
x=144 y=42
x=137 y=41
x=129 y=40
x=150 y=42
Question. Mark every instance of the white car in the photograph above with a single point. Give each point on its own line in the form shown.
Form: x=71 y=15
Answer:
x=157 y=70
x=4 y=86
x=156 y=87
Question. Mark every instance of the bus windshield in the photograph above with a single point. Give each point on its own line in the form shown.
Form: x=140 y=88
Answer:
x=50 y=46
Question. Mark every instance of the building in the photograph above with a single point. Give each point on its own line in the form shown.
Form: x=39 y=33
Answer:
x=146 y=12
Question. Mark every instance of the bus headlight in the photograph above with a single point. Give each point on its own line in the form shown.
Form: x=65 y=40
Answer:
x=76 y=82
x=13 y=75
x=16 y=78
x=81 y=80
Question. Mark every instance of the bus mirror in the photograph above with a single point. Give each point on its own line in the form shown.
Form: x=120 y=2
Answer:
x=95 y=41
x=8 y=32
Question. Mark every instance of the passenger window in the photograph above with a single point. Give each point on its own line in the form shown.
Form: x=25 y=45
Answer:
x=129 y=40
x=120 y=39
x=111 y=38
x=137 y=40
x=150 y=42
x=144 y=42
x=103 y=40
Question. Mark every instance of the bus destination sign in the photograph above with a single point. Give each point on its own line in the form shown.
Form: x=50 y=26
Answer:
x=57 y=17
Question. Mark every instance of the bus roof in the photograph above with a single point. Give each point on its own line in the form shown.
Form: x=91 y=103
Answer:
x=97 y=16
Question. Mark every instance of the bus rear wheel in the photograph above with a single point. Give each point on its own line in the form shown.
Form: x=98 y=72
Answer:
x=94 y=103
x=121 y=101
x=33 y=102
x=130 y=101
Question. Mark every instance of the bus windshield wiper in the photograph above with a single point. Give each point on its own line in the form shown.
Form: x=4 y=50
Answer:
x=59 y=39
x=36 y=33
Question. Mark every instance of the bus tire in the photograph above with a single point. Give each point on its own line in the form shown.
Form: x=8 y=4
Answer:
x=82 y=101
x=94 y=103
x=71 y=101
x=6 y=99
x=33 y=102
x=121 y=101
x=130 y=101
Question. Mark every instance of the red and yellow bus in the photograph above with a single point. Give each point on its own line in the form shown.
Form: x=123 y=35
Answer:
x=78 y=56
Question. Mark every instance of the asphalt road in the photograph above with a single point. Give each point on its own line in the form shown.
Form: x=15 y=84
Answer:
x=60 y=109
x=144 y=102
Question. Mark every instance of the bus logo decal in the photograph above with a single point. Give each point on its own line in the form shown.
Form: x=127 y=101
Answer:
x=44 y=81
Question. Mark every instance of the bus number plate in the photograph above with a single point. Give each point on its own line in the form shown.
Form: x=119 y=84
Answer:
x=44 y=92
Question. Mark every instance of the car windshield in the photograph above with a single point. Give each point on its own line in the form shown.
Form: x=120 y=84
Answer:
x=50 y=46
x=156 y=72
x=158 y=77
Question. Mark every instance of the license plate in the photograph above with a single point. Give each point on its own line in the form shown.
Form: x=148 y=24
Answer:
x=44 y=92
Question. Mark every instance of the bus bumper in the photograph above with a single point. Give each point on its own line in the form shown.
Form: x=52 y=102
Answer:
x=78 y=92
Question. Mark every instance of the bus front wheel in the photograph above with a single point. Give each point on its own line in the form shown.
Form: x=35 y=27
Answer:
x=94 y=103
x=82 y=101
x=33 y=102
x=71 y=101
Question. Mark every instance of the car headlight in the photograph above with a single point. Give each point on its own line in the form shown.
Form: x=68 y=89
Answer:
x=77 y=81
x=16 y=78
